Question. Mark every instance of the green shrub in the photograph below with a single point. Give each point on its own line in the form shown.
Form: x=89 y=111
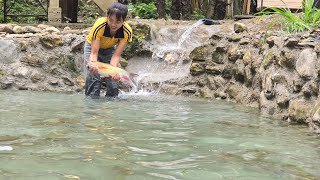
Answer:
x=197 y=14
x=292 y=23
x=145 y=11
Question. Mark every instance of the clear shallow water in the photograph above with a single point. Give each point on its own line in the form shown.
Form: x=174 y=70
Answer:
x=63 y=136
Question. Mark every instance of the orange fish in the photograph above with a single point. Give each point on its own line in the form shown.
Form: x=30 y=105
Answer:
x=107 y=70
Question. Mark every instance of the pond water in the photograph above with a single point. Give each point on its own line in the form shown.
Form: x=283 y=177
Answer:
x=67 y=136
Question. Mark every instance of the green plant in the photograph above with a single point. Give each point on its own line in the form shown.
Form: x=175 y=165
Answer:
x=145 y=11
x=197 y=14
x=292 y=22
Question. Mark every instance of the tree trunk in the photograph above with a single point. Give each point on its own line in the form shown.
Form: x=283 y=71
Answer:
x=186 y=10
x=175 y=9
x=211 y=9
x=236 y=7
x=221 y=9
x=161 y=9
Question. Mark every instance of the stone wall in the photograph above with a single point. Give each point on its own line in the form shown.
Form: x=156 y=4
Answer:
x=277 y=73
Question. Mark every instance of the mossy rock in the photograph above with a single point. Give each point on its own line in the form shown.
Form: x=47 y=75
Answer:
x=140 y=32
x=268 y=59
x=197 y=69
x=2 y=73
x=201 y=53
x=67 y=62
x=298 y=110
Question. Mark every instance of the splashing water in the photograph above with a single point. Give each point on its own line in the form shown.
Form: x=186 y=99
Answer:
x=187 y=33
x=170 y=58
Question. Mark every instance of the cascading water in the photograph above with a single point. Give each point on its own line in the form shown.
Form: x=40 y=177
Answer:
x=171 y=46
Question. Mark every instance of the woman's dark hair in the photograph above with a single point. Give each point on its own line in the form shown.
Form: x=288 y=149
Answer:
x=125 y=2
x=119 y=10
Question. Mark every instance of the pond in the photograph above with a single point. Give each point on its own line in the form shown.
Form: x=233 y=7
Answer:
x=147 y=136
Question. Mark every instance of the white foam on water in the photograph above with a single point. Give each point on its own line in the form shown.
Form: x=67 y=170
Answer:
x=6 y=148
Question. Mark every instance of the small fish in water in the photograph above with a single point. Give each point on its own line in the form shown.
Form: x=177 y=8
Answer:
x=107 y=70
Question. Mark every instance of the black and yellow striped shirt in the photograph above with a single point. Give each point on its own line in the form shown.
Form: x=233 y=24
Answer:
x=101 y=31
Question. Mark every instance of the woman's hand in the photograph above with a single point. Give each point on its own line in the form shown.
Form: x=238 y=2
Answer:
x=115 y=77
x=92 y=67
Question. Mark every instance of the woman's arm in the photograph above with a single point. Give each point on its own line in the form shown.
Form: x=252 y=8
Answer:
x=117 y=54
x=93 y=59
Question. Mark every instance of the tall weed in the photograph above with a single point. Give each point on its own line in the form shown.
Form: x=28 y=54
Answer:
x=294 y=22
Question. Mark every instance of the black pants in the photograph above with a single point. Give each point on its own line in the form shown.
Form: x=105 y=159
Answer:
x=94 y=81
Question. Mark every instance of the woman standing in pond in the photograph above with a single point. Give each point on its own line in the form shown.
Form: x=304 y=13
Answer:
x=105 y=43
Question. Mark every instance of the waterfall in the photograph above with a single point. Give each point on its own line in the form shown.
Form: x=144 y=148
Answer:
x=171 y=46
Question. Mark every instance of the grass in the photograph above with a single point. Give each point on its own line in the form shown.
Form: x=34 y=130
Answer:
x=293 y=22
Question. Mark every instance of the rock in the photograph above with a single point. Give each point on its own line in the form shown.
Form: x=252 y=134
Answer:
x=77 y=44
x=18 y=30
x=36 y=76
x=218 y=57
x=201 y=53
x=53 y=82
x=23 y=45
x=233 y=91
x=266 y=106
x=268 y=58
x=274 y=40
x=206 y=92
x=240 y=27
x=282 y=96
x=85 y=32
x=51 y=41
x=43 y=26
x=234 y=38
x=309 y=42
x=189 y=90
x=311 y=88
x=52 y=30
x=239 y=72
x=32 y=59
x=291 y=42
x=68 y=81
x=297 y=84
x=9 y=51
x=215 y=82
x=67 y=62
x=234 y=53
x=123 y=62
x=245 y=41
x=268 y=86
x=170 y=58
x=7 y=28
x=21 y=72
x=298 y=110
x=306 y=63
x=67 y=28
x=220 y=94
x=31 y=29
x=228 y=71
x=80 y=80
x=196 y=69
x=287 y=59
x=7 y=82
x=278 y=78
x=247 y=58
x=315 y=112
x=214 y=69
x=317 y=48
